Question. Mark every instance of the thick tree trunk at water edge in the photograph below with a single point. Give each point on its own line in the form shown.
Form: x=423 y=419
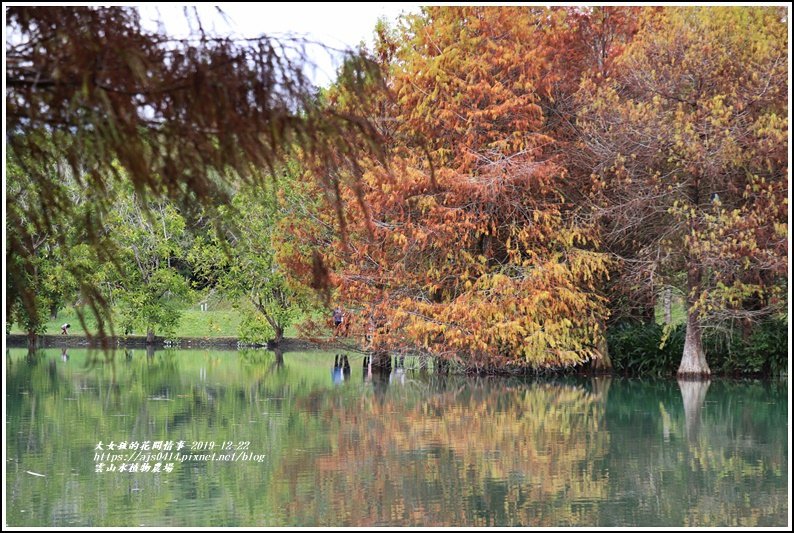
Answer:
x=279 y=334
x=31 y=340
x=693 y=362
x=150 y=336
x=603 y=363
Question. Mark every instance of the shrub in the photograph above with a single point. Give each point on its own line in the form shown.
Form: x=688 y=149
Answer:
x=635 y=349
x=765 y=351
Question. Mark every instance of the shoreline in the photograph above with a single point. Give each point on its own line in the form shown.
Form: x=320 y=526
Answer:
x=16 y=340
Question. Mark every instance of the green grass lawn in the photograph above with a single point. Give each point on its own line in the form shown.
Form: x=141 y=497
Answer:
x=194 y=323
x=216 y=323
x=221 y=321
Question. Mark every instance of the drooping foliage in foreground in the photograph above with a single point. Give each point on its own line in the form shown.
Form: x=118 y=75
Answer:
x=93 y=97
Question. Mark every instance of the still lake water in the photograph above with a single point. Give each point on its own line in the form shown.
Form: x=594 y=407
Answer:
x=338 y=445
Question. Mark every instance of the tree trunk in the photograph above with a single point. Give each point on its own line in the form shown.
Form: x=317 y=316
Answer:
x=149 y=336
x=693 y=362
x=603 y=363
x=649 y=309
x=646 y=305
x=31 y=340
x=668 y=305
x=279 y=331
x=381 y=360
x=381 y=370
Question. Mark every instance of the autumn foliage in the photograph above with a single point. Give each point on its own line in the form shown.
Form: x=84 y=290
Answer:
x=689 y=142
x=533 y=152
x=464 y=251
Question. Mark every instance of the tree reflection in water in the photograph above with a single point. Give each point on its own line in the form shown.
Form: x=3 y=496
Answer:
x=393 y=446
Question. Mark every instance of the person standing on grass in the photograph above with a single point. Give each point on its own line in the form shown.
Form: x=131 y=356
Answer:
x=338 y=317
x=64 y=328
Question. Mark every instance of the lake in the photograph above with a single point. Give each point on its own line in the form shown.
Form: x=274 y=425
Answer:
x=252 y=438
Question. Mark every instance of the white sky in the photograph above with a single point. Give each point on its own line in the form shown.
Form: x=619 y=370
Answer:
x=338 y=25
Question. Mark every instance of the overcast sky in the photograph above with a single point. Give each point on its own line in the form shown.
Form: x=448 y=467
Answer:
x=339 y=25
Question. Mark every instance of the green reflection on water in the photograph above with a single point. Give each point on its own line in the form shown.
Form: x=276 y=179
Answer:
x=345 y=444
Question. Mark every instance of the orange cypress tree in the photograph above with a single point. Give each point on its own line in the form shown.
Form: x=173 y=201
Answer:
x=464 y=249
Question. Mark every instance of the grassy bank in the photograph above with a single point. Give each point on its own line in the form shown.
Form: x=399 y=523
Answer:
x=222 y=322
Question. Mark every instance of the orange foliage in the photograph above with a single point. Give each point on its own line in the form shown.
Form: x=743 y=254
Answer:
x=464 y=249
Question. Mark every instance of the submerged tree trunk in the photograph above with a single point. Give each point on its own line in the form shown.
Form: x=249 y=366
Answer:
x=149 y=336
x=693 y=362
x=381 y=360
x=31 y=347
x=381 y=371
